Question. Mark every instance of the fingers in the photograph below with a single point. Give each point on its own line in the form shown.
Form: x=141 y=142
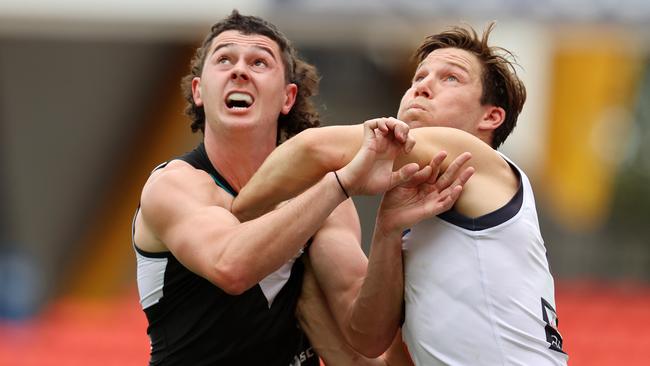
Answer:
x=419 y=177
x=452 y=193
x=459 y=183
x=376 y=124
x=369 y=128
x=398 y=128
x=465 y=175
x=453 y=171
x=408 y=145
x=405 y=174
x=447 y=199
x=435 y=164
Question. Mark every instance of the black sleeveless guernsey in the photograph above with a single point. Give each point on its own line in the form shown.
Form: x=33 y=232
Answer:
x=194 y=322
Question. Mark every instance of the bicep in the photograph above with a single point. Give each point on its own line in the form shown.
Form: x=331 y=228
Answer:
x=431 y=140
x=493 y=182
x=183 y=212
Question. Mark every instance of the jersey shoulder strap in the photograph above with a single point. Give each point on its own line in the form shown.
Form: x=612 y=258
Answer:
x=198 y=158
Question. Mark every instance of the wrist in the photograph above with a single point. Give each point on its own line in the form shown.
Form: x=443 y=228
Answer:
x=387 y=229
x=341 y=185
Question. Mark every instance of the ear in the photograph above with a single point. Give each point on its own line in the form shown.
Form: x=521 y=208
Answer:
x=196 y=91
x=290 y=92
x=492 y=118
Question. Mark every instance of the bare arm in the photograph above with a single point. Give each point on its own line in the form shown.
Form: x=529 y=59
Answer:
x=493 y=182
x=296 y=165
x=186 y=213
x=318 y=323
x=397 y=354
x=365 y=296
x=304 y=159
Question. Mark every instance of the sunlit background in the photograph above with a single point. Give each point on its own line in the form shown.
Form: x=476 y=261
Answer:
x=90 y=103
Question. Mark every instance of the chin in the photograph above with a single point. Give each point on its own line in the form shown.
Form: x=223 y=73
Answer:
x=415 y=124
x=412 y=120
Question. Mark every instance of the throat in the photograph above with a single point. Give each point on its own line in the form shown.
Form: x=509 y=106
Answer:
x=242 y=149
x=236 y=161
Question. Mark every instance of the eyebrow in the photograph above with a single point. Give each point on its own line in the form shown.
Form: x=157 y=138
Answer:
x=447 y=64
x=261 y=48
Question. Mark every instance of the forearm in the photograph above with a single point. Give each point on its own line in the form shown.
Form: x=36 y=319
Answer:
x=317 y=322
x=296 y=165
x=397 y=354
x=258 y=247
x=304 y=159
x=375 y=315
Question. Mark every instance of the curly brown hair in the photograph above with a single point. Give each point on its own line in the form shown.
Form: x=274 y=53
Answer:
x=501 y=85
x=303 y=114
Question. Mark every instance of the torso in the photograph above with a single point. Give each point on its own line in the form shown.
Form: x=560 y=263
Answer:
x=192 y=321
x=479 y=291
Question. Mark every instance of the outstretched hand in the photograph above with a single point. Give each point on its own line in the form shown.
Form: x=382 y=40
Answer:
x=371 y=170
x=424 y=194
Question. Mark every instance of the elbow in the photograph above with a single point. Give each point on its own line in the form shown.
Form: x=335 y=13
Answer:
x=232 y=279
x=305 y=143
x=312 y=145
x=371 y=349
x=368 y=345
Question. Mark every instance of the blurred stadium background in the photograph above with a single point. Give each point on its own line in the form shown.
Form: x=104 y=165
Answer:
x=90 y=102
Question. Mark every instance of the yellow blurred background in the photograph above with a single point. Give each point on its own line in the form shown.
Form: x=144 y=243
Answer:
x=90 y=102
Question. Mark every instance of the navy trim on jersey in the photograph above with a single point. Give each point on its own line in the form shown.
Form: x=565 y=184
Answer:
x=198 y=158
x=491 y=219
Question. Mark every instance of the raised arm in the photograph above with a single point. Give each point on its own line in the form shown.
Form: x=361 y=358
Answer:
x=296 y=165
x=317 y=322
x=183 y=211
x=365 y=296
x=306 y=158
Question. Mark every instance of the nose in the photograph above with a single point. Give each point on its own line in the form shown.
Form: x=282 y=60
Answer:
x=423 y=90
x=239 y=72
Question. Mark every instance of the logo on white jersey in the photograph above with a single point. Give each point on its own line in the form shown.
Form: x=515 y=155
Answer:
x=552 y=333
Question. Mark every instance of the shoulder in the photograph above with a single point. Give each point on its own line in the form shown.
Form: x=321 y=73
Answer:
x=179 y=183
x=174 y=199
x=494 y=182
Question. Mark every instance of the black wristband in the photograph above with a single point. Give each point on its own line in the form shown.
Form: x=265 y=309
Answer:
x=341 y=185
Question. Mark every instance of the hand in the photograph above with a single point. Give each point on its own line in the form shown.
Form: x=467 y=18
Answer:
x=424 y=194
x=371 y=170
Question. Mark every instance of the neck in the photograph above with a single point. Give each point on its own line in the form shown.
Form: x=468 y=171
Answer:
x=485 y=136
x=237 y=156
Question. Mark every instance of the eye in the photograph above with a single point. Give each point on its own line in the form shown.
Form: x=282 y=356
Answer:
x=451 y=78
x=260 y=63
x=223 y=60
x=418 y=78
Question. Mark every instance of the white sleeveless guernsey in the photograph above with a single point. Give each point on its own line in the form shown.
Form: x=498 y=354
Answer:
x=479 y=291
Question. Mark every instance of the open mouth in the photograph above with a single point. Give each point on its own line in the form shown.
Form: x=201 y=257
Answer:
x=239 y=100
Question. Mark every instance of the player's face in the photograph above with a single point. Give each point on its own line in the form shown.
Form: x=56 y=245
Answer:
x=243 y=82
x=445 y=91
